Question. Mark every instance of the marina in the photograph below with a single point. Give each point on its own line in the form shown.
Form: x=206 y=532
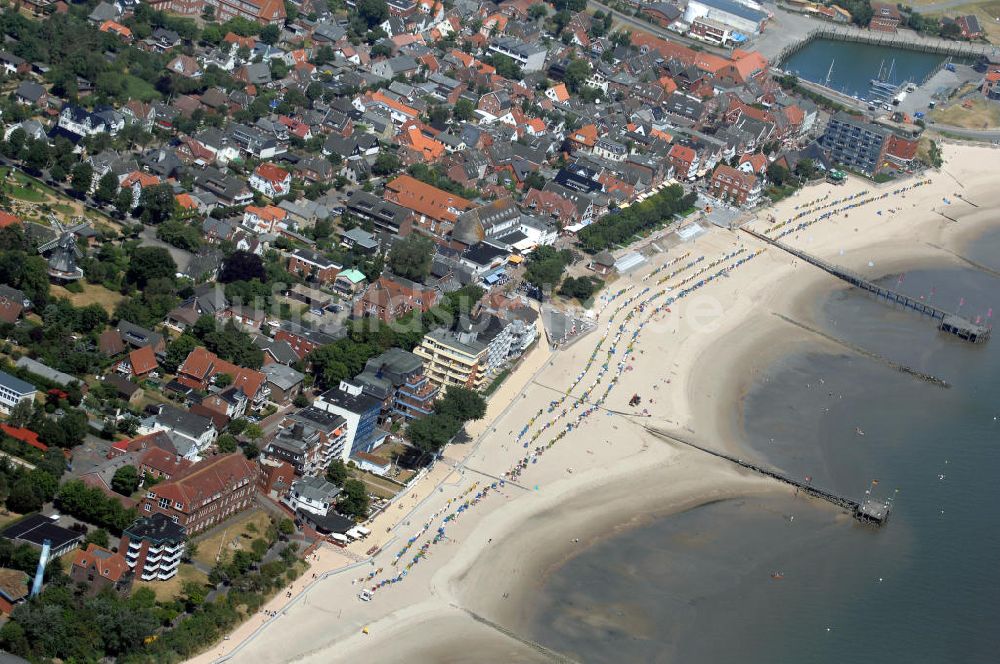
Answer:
x=873 y=73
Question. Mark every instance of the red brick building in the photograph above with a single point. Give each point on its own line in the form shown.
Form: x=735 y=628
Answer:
x=207 y=493
x=388 y=298
x=201 y=366
x=901 y=149
x=310 y=265
x=735 y=186
x=885 y=17
x=99 y=568
x=684 y=160
x=261 y=11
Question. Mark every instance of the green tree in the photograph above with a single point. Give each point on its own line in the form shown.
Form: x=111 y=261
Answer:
x=125 y=480
x=577 y=73
x=538 y=11
x=464 y=109
x=178 y=350
x=373 y=12
x=253 y=432
x=270 y=34
x=193 y=594
x=353 y=499
x=777 y=173
x=386 y=163
x=38 y=156
x=545 y=266
x=227 y=443
x=581 y=288
x=98 y=536
x=337 y=473
x=412 y=257
x=461 y=403
x=124 y=201
x=24 y=497
x=806 y=168
x=148 y=263
x=22 y=414
x=157 y=203
x=430 y=434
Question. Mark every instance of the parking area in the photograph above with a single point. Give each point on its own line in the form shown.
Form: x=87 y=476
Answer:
x=89 y=455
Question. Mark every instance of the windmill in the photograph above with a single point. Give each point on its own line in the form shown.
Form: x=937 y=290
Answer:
x=62 y=251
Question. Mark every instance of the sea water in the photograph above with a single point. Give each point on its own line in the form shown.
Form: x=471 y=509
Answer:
x=702 y=586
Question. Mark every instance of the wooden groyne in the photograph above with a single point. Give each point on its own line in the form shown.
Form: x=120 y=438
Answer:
x=949 y=322
x=902 y=368
x=900 y=40
x=868 y=511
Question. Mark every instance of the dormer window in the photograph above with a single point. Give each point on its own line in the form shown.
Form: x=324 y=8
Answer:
x=179 y=506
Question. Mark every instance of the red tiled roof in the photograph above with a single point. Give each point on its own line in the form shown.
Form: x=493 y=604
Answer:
x=164 y=462
x=10 y=310
x=424 y=199
x=144 y=179
x=205 y=479
x=271 y=173
x=111 y=566
x=8 y=219
x=203 y=364
x=25 y=436
x=198 y=363
x=724 y=170
x=682 y=152
x=185 y=201
x=143 y=360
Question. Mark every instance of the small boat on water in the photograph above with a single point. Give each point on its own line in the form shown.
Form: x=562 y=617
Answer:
x=859 y=431
x=777 y=576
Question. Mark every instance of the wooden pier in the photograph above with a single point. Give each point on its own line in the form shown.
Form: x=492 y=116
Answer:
x=869 y=511
x=951 y=323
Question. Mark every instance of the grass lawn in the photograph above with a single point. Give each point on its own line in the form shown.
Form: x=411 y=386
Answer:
x=171 y=589
x=232 y=536
x=92 y=294
x=376 y=485
x=7 y=518
x=137 y=88
x=982 y=114
x=32 y=195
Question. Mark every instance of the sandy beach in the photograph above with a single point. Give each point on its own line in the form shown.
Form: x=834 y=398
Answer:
x=480 y=547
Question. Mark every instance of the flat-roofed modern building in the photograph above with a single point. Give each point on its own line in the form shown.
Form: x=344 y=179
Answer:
x=153 y=547
x=13 y=391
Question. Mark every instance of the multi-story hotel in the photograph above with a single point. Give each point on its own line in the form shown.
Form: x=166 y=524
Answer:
x=153 y=547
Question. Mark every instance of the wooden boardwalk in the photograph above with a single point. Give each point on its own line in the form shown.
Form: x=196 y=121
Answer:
x=950 y=322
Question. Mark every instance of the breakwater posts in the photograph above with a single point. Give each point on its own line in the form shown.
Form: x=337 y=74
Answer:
x=968 y=261
x=902 y=40
x=869 y=511
x=902 y=368
x=951 y=323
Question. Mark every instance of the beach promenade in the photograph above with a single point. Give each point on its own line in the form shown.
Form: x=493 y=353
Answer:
x=556 y=465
